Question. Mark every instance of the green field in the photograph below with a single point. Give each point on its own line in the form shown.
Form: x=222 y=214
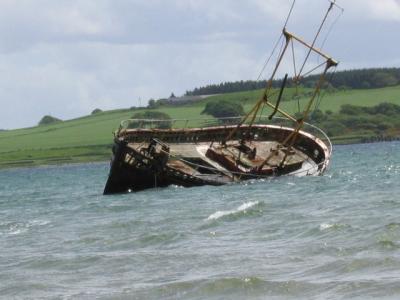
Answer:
x=89 y=138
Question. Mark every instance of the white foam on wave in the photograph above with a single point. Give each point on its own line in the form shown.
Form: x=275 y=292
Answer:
x=325 y=226
x=38 y=223
x=14 y=231
x=242 y=208
x=15 y=228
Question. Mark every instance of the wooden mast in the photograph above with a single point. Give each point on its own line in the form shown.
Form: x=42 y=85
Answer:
x=329 y=62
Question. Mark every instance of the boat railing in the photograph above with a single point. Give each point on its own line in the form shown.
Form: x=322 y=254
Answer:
x=132 y=125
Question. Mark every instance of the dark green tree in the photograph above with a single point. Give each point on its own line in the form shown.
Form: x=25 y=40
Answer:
x=344 y=80
x=46 y=120
x=223 y=109
x=152 y=103
x=96 y=111
x=161 y=120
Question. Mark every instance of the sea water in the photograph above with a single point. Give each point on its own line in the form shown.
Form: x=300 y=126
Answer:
x=335 y=236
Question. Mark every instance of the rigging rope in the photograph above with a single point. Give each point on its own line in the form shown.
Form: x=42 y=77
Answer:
x=279 y=54
x=331 y=28
x=333 y=24
x=290 y=13
x=316 y=37
x=322 y=95
x=269 y=58
x=277 y=42
x=312 y=70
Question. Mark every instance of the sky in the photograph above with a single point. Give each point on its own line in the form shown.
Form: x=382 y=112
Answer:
x=67 y=57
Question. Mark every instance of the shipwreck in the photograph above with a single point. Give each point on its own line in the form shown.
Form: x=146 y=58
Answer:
x=157 y=153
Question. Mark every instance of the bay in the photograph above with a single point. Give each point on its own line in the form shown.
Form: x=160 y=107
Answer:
x=335 y=236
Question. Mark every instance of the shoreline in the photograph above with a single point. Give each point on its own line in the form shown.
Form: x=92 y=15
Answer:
x=101 y=158
x=23 y=164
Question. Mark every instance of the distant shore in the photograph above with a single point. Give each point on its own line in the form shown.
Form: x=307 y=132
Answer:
x=52 y=162
x=348 y=116
x=26 y=163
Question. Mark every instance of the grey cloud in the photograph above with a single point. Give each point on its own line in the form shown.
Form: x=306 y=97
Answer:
x=67 y=57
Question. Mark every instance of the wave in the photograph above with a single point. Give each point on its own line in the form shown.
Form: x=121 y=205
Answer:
x=241 y=209
x=334 y=226
x=15 y=228
x=388 y=244
x=259 y=288
x=393 y=226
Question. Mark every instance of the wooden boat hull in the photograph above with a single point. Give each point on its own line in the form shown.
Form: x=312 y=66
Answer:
x=135 y=169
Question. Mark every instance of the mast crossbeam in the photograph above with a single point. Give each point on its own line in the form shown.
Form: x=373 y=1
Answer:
x=331 y=61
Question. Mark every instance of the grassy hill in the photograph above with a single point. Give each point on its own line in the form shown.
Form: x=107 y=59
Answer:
x=89 y=138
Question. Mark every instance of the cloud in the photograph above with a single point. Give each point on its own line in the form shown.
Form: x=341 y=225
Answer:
x=275 y=9
x=388 y=10
x=29 y=23
x=70 y=80
x=372 y=10
x=68 y=57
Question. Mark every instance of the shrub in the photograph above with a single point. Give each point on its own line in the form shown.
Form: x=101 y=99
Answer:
x=96 y=111
x=223 y=109
x=152 y=104
x=46 y=120
x=334 y=128
x=151 y=115
x=351 y=110
x=317 y=116
x=387 y=109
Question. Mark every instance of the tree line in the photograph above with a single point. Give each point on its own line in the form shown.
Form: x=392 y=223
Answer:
x=350 y=79
x=378 y=120
x=375 y=121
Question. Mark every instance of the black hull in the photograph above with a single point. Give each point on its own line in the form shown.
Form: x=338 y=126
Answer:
x=129 y=177
x=126 y=178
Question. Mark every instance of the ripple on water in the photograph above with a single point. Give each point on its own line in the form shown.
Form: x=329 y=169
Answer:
x=230 y=288
x=333 y=226
x=16 y=228
x=330 y=237
x=393 y=226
